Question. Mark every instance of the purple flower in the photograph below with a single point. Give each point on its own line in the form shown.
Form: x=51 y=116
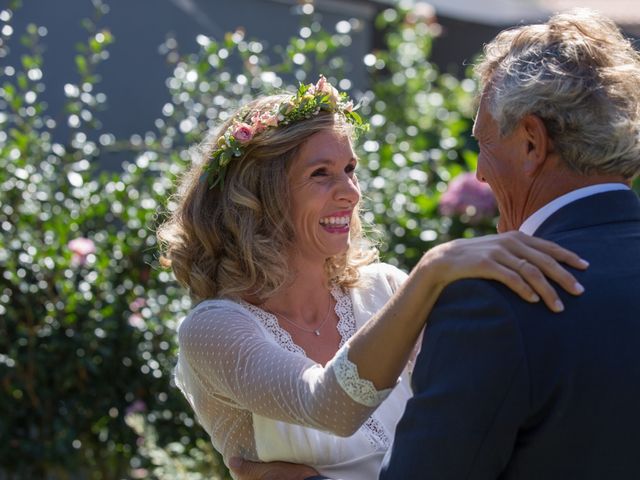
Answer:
x=466 y=195
x=136 y=407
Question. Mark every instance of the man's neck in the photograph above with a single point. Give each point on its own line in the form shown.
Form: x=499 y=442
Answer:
x=546 y=188
x=534 y=221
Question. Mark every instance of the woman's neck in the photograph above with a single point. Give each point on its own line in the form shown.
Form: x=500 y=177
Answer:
x=305 y=297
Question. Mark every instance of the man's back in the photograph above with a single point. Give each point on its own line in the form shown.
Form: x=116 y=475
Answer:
x=584 y=365
x=506 y=389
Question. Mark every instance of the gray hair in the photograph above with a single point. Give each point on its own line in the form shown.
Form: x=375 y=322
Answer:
x=581 y=77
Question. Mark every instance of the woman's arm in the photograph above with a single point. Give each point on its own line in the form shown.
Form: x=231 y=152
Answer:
x=382 y=347
x=226 y=357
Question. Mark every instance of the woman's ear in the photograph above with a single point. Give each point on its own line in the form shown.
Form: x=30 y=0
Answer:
x=538 y=144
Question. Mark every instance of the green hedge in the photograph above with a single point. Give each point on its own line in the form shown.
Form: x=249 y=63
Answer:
x=88 y=319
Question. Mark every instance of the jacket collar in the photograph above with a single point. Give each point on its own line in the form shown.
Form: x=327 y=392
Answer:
x=601 y=208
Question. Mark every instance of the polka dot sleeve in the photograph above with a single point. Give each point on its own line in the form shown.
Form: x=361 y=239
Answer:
x=230 y=357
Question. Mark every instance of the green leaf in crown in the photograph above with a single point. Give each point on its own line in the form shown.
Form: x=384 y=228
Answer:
x=309 y=100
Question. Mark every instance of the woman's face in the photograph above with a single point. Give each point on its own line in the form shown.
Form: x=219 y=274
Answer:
x=324 y=194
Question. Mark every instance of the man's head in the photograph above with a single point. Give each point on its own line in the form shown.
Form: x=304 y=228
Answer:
x=560 y=109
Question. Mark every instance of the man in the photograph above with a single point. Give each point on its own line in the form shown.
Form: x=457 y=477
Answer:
x=504 y=388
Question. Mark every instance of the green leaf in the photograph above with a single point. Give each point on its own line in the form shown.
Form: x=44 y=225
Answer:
x=23 y=82
x=81 y=64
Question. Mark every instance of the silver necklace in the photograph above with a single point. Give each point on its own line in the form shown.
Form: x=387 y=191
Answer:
x=316 y=330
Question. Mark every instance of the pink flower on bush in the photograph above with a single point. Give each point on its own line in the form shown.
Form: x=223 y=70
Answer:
x=466 y=195
x=137 y=304
x=81 y=247
x=139 y=472
x=136 y=321
x=243 y=133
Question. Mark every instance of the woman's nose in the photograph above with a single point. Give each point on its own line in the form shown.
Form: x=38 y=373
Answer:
x=348 y=189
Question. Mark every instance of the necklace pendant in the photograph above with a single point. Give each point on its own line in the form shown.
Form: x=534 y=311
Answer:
x=317 y=333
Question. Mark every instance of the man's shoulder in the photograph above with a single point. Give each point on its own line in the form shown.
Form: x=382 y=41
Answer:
x=465 y=302
x=472 y=300
x=475 y=291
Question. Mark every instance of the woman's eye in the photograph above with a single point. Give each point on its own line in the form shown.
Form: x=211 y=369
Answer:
x=321 y=172
x=350 y=168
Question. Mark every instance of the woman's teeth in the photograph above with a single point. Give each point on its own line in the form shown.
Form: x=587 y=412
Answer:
x=334 y=221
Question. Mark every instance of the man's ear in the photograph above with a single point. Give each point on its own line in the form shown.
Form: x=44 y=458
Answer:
x=538 y=144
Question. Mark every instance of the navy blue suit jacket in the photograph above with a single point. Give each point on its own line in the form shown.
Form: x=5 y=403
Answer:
x=505 y=389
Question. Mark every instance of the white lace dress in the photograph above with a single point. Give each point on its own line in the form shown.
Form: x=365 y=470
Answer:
x=258 y=396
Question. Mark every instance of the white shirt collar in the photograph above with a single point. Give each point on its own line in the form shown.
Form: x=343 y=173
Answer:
x=531 y=224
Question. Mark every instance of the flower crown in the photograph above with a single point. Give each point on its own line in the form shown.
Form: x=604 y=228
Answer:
x=309 y=100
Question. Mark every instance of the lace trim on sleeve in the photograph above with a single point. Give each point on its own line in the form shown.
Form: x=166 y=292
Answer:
x=359 y=389
x=344 y=309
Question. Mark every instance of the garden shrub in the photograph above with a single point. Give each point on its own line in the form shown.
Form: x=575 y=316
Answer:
x=88 y=326
x=88 y=319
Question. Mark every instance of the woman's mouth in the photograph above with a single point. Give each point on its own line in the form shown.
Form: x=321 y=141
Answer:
x=336 y=223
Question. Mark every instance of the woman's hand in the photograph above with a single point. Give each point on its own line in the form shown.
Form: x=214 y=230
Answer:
x=523 y=263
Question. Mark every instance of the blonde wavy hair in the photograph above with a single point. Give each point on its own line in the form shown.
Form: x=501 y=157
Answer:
x=581 y=77
x=234 y=240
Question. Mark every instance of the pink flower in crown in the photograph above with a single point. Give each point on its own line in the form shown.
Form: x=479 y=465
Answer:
x=466 y=195
x=348 y=107
x=325 y=87
x=81 y=248
x=269 y=119
x=256 y=124
x=321 y=84
x=243 y=133
x=262 y=121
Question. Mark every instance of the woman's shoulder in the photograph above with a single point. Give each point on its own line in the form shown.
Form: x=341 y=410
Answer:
x=215 y=312
x=377 y=283
x=215 y=306
x=379 y=280
x=382 y=272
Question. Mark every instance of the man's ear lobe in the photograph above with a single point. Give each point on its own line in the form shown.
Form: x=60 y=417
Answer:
x=538 y=143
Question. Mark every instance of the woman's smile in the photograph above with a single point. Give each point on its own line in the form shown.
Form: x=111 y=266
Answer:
x=338 y=222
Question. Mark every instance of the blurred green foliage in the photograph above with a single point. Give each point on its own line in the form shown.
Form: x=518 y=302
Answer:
x=88 y=319
x=420 y=139
x=88 y=327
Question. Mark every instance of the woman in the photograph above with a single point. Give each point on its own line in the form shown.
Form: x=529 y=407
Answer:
x=296 y=348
